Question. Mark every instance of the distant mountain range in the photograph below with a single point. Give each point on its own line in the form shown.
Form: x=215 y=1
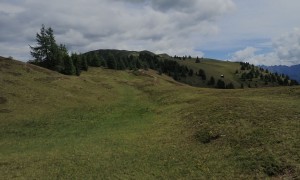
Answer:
x=292 y=71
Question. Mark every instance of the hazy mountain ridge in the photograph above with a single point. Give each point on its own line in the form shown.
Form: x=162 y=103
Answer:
x=292 y=71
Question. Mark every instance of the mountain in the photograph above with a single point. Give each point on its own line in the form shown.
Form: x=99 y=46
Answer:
x=112 y=124
x=292 y=71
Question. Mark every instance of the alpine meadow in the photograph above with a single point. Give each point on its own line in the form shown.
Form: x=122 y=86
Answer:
x=124 y=114
x=140 y=124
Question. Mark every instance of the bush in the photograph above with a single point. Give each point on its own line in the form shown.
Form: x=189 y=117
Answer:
x=221 y=84
x=206 y=136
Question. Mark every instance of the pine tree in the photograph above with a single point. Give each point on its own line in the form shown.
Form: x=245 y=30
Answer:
x=40 y=51
x=111 y=62
x=77 y=63
x=96 y=62
x=212 y=81
x=69 y=66
x=191 y=72
x=221 y=84
x=120 y=64
x=138 y=64
x=230 y=86
x=47 y=53
x=84 y=62
x=197 y=60
x=202 y=74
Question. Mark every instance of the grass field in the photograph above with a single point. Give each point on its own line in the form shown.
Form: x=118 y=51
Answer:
x=110 y=124
x=213 y=68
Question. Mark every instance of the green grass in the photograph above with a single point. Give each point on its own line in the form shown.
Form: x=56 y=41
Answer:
x=109 y=124
x=212 y=68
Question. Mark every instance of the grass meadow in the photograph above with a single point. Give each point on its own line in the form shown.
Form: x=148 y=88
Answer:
x=110 y=124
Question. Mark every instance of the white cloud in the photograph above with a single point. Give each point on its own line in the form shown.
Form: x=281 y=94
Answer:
x=245 y=54
x=172 y=26
x=287 y=47
x=286 y=51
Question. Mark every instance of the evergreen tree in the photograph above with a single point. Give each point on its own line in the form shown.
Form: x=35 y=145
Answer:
x=294 y=83
x=96 y=61
x=103 y=63
x=230 y=86
x=197 y=60
x=47 y=53
x=138 y=64
x=286 y=81
x=111 y=62
x=221 y=84
x=69 y=66
x=120 y=64
x=191 y=72
x=159 y=71
x=212 y=81
x=84 y=63
x=202 y=74
x=77 y=63
x=40 y=52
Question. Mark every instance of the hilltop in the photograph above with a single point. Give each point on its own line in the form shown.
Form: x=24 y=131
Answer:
x=141 y=125
x=199 y=72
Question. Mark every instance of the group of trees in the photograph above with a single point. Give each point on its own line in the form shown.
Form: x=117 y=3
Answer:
x=47 y=53
x=183 y=57
x=145 y=60
x=250 y=72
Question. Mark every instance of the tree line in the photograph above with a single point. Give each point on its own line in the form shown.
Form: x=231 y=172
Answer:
x=51 y=55
x=249 y=72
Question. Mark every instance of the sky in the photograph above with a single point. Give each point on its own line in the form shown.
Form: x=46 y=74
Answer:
x=262 y=32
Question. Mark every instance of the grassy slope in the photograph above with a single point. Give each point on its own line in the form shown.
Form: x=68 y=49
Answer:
x=214 y=68
x=114 y=124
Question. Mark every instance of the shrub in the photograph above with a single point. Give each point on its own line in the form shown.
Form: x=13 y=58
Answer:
x=206 y=136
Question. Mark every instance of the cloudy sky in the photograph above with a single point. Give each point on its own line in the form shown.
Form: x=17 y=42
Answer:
x=258 y=31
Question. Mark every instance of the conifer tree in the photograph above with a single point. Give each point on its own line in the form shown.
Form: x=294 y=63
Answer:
x=221 y=84
x=96 y=62
x=77 y=63
x=111 y=62
x=191 y=72
x=69 y=66
x=84 y=63
x=211 y=81
x=47 y=53
x=120 y=64
x=197 y=60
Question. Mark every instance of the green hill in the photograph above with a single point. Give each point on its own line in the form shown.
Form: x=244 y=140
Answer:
x=199 y=72
x=108 y=124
